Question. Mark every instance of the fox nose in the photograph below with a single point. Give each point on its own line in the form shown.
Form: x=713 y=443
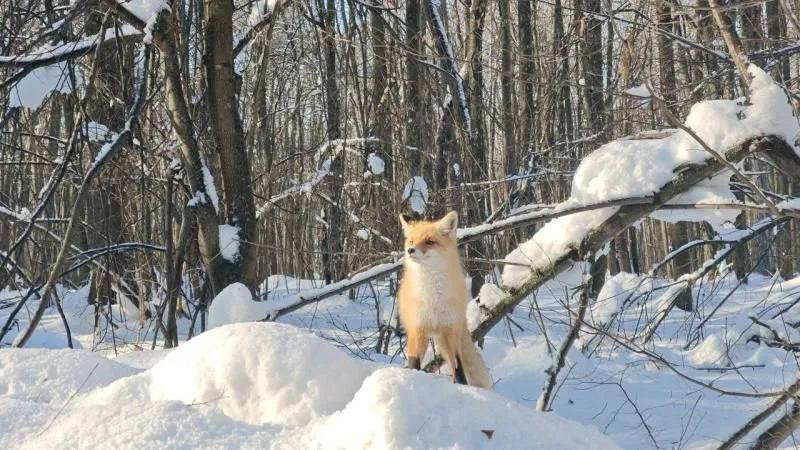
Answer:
x=411 y=250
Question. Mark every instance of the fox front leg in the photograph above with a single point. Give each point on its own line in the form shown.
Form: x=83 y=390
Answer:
x=417 y=344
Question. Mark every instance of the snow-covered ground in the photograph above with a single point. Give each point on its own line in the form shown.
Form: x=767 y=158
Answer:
x=316 y=380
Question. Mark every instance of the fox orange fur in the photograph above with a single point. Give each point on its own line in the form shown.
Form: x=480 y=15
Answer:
x=433 y=299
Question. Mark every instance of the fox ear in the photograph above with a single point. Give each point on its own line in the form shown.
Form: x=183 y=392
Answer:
x=449 y=223
x=404 y=219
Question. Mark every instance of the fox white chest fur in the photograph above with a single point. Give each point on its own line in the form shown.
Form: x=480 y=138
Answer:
x=440 y=302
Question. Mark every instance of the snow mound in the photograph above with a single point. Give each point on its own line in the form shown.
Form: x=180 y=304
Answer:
x=712 y=351
x=257 y=373
x=259 y=385
x=52 y=376
x=234 y=304
x=617 y=290
x=398 y=408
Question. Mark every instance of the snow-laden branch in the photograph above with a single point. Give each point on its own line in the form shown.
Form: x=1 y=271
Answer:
x=51 y=54
x=594 y=237
x=310 y=296
x=54 y=54
x=466 y=235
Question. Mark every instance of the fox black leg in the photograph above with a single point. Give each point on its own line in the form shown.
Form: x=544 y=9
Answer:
x=458 y=373
x=413 y=363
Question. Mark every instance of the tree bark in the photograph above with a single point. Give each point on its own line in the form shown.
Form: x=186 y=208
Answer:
x=332 y=245
x=230 y=145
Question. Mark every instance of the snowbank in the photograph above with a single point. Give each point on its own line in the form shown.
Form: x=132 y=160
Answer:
x=256 y=373
x=259 y=385
x=617 y=290
x=234 y=304
x=262 y=372
x=398 y=408
x=51 y=376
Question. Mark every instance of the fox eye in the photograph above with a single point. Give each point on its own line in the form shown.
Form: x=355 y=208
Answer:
x=430 y=242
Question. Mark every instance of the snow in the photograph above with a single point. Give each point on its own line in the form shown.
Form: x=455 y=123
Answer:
x=489 y=296
x=31 y=91
x=234 y=304
x=639 y=91
x=197 y=199
x=51 y=376
x=257 y=373
x=435 y=414
x=638 y=168
x=260 y=385
x=259 y=10
x=229 y=242
x=221 y=388
x=789 y=204
x=102 y=153
x=363 y=234
x=711 y=352
x=144 y=9
x=376 y=164
x=50 y=52
x=415 y=192
x=617 y=290
x=147 y=11
x=97 y=132
x=211 y=189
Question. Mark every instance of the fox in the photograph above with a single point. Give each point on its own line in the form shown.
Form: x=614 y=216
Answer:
x=432 y=299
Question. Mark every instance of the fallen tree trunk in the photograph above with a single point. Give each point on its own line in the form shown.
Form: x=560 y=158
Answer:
x=626 y=216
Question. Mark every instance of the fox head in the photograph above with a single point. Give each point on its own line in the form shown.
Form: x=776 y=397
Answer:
x=429 y=242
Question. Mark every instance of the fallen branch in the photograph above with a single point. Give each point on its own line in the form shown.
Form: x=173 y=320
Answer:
x=545 y=399
x=791 y=392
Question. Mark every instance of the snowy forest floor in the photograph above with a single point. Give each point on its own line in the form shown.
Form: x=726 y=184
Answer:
x=262 y=385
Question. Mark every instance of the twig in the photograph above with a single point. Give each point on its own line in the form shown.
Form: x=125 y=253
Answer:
x=69 y=400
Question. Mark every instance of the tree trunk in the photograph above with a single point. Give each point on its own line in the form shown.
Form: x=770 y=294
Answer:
x=592 y=66
x=413 y=87
x=476 y=155
x=507 y=88
x=230 y=145
x=527 y=74
x=332 y=243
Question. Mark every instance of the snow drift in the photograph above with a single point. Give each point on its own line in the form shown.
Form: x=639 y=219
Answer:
x=259 y=385
x=398 y=408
